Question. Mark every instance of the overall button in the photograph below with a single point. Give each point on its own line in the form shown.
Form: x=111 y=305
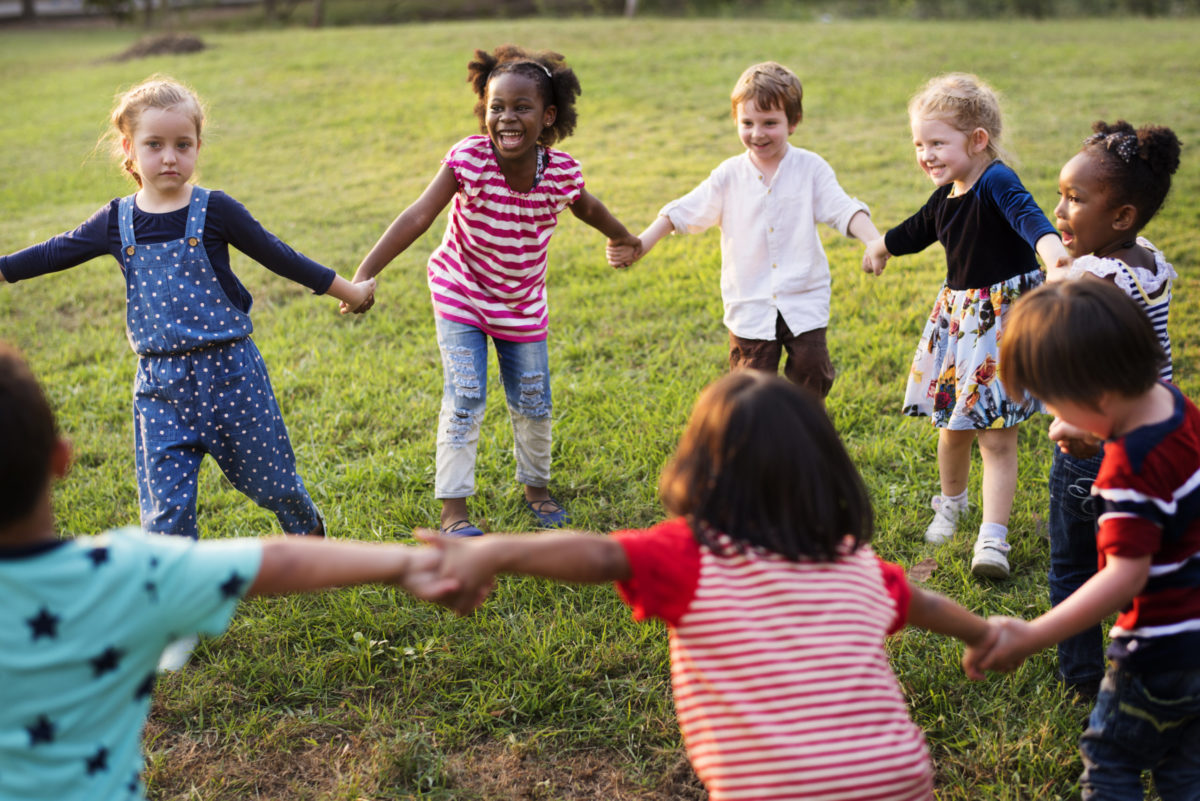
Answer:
x=193 y=241
x=130 y=250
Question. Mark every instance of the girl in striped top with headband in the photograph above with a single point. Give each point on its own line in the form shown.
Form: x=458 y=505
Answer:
x=506 y=188
x=1109 y=191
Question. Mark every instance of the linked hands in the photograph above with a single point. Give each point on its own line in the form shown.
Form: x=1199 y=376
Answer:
x=623 y=252
x=875 y=256
x=361 y=297
x=1009 y=643
x=466 y=564
x=1074 y=440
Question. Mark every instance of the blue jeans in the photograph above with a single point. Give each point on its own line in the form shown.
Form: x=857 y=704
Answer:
x=525 y=373
x=1143 y=721
x=1073 y=560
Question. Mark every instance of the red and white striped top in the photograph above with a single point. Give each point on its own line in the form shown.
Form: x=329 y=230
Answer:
x=490 y=269
x=782 y=684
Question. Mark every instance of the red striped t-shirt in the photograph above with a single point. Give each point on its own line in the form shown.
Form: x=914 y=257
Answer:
x=782 y=684
x=490 y=269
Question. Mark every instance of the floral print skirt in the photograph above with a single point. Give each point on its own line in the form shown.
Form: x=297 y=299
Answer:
x=954 y=377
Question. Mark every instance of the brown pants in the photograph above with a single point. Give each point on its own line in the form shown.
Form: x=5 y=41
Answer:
x=807 y=362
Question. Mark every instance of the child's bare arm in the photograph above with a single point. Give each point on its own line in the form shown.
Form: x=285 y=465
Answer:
x=623 y=256
x=1104 y=593
x=862 y=228
x=404 y=230
x=1055 y=256
x=354 y=297
x=302 y=564
x=571 y=556
x=937 y=613
x=588 y=208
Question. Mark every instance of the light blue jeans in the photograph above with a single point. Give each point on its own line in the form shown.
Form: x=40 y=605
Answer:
x=525 y=373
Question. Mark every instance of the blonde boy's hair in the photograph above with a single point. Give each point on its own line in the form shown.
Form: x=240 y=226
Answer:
x=157 y=91
x=963 y=101
x=771 y=86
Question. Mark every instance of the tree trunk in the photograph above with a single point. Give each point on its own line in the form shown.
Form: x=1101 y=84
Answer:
x=28 y=9
x=318 y=17
x=269 y=10
x=630 y=8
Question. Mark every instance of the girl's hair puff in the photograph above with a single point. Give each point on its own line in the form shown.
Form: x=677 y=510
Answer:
x=760 y=462
x=1136 y=164
x=965 y=102
x=770 y=86
x=157 y=91
x=1075 y=341
x=556 y=81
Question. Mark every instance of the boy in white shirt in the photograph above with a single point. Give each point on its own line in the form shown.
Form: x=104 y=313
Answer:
x=774 y=275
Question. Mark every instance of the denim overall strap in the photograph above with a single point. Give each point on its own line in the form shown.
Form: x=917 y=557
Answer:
x=174 y=301
x=197 y=213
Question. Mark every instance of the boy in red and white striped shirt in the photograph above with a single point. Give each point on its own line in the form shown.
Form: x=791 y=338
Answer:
x=1090 y=354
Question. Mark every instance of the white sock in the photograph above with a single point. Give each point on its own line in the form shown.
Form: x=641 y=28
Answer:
x=959 y=500
x=993 y=531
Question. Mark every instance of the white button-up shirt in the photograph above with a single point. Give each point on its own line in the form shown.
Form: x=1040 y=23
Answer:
x=771 y=257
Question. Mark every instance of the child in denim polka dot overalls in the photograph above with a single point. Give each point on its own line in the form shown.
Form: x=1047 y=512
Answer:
x=201 y=385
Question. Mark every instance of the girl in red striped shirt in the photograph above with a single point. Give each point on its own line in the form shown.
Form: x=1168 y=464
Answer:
x=488 y=276
x=777 y=607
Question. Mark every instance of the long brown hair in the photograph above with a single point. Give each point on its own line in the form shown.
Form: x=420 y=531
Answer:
x=761 y=462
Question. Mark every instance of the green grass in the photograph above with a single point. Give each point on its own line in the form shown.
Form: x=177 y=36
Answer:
x=549 y=691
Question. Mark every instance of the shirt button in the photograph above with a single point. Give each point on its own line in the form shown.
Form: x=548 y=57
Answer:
x=771 y=230
x=773 y=266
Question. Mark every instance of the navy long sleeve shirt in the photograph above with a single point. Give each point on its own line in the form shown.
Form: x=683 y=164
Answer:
x=989 y=233
x=228 y=223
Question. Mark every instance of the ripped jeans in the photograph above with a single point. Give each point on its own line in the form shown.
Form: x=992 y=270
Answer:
x=525 y=373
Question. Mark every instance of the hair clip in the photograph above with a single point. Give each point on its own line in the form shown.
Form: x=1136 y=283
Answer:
x=1125 y=144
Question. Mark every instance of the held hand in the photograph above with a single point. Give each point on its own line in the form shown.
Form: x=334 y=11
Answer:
x=1011 y=648
x=462 y=562
x=423 y=578
x=875 y=256
x=976 y=651
x=1074 y=440
x=623 y=251
x=364 y=298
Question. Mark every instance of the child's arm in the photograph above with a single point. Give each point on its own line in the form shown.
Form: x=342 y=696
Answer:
x=937 y=613
x=404 y=230
x=1073 y=440
x=571 y=556
x=356 y=297
x=625 y=255
x=862 y=228
x=1055 y=256
x=304 y=564
x=588 y=208
x=1107 y=592
x=875 y=256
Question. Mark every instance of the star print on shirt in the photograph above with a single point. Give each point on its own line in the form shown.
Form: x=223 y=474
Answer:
x=41 y=732
x=97 y=761
x=44 y=624
x=108 y=660
x=151 y=589
x=98 y=556
x=145 y=688
x=232 y=586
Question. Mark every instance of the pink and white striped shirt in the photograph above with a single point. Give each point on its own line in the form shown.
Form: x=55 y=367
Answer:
x=782 y=684
x=490 y=269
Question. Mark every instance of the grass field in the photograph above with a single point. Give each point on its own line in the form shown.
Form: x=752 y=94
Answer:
x=548 y=692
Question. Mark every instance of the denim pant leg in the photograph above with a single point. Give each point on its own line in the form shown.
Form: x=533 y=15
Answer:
x=525 y=371
x=464 y=397
x=1143 y=721
x=1072 y=525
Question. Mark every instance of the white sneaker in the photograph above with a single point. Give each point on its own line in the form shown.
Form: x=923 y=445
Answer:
x=991 y=558
x=945 y=519
x=177 y=654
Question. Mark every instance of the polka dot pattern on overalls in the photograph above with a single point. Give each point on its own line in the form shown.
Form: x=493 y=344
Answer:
x=201 y=386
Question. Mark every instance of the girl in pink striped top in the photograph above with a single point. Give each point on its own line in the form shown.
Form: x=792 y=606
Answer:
x=506 y=188
x=776 y=606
